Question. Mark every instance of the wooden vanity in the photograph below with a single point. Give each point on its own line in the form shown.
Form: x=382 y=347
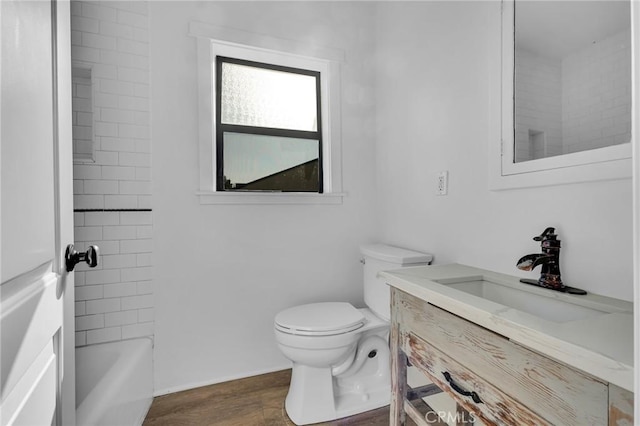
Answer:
x=493 y=377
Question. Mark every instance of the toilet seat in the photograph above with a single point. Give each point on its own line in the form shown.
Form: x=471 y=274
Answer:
x=320 y=319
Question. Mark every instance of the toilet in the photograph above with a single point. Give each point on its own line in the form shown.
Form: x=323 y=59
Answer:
x=340 y=354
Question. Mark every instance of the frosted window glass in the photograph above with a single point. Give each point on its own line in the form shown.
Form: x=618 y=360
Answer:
x=252 y=96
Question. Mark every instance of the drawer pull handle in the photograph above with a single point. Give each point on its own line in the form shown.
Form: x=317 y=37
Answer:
x=461 y=391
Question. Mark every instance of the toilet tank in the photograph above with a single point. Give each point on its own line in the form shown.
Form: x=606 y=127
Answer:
x=381 y=257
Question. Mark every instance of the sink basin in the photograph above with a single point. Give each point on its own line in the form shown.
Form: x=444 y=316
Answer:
x=549 y=308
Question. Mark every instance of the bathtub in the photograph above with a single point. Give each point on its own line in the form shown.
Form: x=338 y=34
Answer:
x=114 y=383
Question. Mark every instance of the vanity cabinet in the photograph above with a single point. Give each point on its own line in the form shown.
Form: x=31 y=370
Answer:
x=491 y=378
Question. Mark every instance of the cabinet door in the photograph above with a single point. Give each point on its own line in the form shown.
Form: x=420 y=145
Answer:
x=554 y=391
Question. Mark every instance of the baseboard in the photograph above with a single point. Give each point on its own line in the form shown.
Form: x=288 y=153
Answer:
x=145 y=412
x=173 y=389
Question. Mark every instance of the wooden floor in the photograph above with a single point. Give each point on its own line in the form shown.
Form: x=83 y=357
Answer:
x=254 y=401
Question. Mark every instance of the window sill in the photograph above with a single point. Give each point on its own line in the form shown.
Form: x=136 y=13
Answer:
x=269 y=198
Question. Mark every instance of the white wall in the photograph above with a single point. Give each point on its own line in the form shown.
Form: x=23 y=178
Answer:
x=416 y=100
x=223 y=271
x=434 y=113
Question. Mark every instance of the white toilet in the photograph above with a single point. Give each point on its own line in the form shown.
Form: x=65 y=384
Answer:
x=340 y=354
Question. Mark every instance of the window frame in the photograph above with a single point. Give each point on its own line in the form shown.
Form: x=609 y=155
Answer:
x=221 y=127
x=212 y=40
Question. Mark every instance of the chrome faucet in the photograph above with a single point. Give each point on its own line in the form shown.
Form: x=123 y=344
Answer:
x=549 y=259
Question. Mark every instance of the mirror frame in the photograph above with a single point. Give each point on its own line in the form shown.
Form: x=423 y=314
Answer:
x=635 y=132
x=608 y=163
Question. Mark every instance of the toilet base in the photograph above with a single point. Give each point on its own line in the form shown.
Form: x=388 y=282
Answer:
x=316 y=396
x=360 y=382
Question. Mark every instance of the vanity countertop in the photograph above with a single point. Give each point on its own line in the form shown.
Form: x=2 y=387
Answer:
x=601 y=345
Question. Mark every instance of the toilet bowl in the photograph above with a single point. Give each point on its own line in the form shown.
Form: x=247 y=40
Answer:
x=318 y=334
x=340 y=353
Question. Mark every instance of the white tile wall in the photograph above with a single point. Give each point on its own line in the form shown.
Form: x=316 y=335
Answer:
x=580 y=102
x=596 y=99
x=538 y=106
x=114 y=301
x=119 y=291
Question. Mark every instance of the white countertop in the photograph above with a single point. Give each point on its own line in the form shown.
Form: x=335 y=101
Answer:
x=601 y=345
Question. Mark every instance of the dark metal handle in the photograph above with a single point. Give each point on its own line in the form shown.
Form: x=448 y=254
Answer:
x=549 y=232
x=461 y=391
x=72 y=257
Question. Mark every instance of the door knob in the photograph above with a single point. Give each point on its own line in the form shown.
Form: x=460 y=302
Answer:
x=72 y=257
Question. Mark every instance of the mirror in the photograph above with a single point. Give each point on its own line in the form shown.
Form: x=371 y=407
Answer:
x=548 y=152
x=572 y=77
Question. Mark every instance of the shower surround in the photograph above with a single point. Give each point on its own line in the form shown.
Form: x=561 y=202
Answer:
x=112 y=177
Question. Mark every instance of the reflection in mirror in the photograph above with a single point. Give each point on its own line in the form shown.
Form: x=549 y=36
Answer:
x=572 y=77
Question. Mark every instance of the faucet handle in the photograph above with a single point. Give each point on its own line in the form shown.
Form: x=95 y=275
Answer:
x=547 y=234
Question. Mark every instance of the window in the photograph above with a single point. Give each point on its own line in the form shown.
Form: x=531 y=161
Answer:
x=268 y=135
x=269 y=119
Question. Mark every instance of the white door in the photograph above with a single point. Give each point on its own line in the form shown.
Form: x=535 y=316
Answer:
x=36 y=293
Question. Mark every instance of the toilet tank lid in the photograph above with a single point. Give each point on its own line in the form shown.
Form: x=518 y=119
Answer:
x=395 y=254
